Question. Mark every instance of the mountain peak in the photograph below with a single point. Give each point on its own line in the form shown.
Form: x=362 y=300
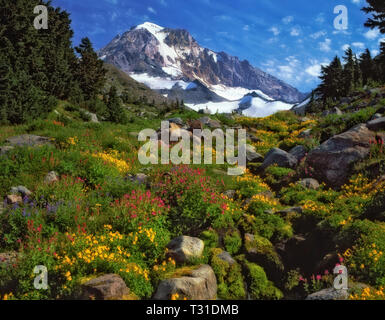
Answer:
x=149 y=26
x=173 y=53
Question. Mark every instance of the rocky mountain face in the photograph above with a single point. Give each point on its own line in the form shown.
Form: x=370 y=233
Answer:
x=174 y=53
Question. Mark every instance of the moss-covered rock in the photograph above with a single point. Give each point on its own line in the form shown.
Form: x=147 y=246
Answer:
x=261 y=251
x=259 y=285
x=229 y=277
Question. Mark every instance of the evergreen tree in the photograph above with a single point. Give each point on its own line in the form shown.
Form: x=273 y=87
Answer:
x=380 y=62
x=89 y=71
x=377 y=9
x=348 y=73
x=35 y=64
x=114 y=106
x=367 y=67
x=332 y=77
x=357 y=73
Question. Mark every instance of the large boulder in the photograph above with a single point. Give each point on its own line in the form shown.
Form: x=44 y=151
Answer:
x=262 y=252
x=377 y=124
x=279 y=157
x=299 y=152
x=28 y=140
x=332 y=159
x=376 y=116
x=106 y=287
x=184 y=248
x=329 y=294
x=252 y=155
x=199 y=284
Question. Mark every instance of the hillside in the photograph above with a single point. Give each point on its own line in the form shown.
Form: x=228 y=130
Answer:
x=67 y=186
x=134 y=89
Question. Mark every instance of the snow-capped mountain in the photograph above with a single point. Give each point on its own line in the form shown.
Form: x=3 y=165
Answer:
x=172 y=62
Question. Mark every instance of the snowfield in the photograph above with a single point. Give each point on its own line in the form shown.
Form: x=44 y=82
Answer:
x=158 y=83
x=234 y=94
x=258 y=108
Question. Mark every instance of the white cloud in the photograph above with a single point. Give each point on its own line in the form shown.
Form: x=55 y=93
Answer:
x=375 y=52
x=295 y=32
x=152 y=10
x=275 y=31
x=246 y=27
x=318 y=34
x=359 y=45
x=372 y=34
x=163 y=3
x=288 y=19
x=357 y=2
x=320 y=18
x=314 y=69
x=345 y=47
x=325 y=46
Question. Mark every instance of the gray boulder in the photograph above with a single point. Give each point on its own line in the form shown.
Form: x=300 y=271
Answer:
x=177 y=121
x=376 y=116
x=252 y=155
x=51 y=177
x=214 y=124
x=279 y=157
x=333 y=159
x=309 y=183
x=28 y=140
x=106 y=287
x=226 y=257
x=5 y=149
x=184 y=248
x=139 y=178
x=21 y=190
x=199 y=284
x=305 y=134
x=299 y=152
x=377 y=124
x=329 y=294
x=334 y=110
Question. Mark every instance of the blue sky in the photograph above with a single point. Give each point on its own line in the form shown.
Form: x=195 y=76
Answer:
x=289 y=39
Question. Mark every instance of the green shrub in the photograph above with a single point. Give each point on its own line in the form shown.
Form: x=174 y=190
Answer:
x=229 y=277
x=233 y=242
x=259 y=286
